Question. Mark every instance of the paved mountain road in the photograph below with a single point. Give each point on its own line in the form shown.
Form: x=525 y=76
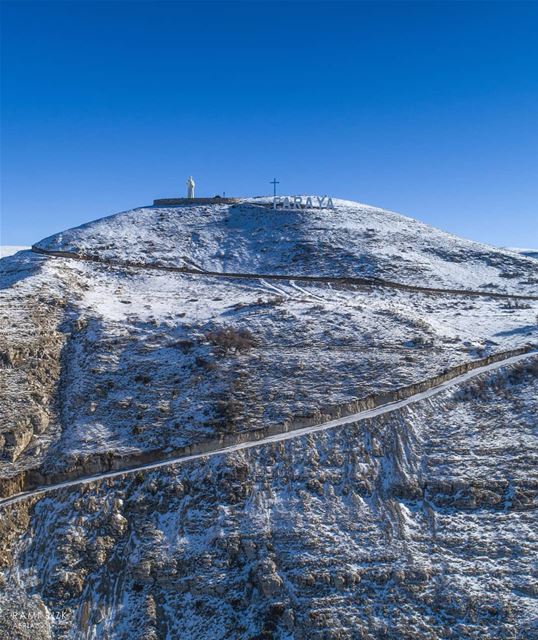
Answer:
x=279 y=437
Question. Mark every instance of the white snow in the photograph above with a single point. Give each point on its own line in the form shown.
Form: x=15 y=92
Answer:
x=351 y=240
x=9 y=249
x=417 y=519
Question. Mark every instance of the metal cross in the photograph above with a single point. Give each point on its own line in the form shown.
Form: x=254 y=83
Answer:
x=274 y=182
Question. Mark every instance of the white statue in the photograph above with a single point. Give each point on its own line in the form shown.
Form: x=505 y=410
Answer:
x=190 y=187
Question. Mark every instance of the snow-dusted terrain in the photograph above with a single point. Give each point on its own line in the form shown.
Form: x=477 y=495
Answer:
x=417 y=522
x=530 y=253
x=251 y=237
x=9 y=249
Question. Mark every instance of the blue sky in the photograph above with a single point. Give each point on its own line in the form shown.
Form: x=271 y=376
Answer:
x=427 y=108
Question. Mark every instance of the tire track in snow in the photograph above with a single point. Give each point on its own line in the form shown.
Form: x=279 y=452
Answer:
x=309 y=294
x=285 y=434
x=280 y=292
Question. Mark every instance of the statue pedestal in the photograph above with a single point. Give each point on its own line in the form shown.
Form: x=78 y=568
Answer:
x=175 y=202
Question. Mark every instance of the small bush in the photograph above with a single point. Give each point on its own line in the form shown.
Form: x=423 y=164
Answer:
x=230 y=339
x=205 y=364
x=513 y=303
x=228 y=410
x=143 y=378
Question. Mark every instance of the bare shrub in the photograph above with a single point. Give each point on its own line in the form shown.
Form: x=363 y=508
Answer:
x=205 y=364
x=230 y=339
x=227 y=411
x=514 y=303
x=275 y=301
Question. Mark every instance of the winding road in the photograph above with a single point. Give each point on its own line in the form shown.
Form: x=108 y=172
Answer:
x=341 y=280
x=383 y=409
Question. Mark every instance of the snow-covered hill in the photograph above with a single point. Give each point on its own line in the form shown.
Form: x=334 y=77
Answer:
x=9 y=249
x=414 y=522
x=529 y=253
x=251 y=237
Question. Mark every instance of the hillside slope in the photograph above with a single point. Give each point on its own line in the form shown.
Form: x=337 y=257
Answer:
x=414 y=522
x=418 y=526
x=251 y=237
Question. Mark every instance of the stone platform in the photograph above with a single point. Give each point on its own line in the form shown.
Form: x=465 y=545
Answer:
x=173 y=202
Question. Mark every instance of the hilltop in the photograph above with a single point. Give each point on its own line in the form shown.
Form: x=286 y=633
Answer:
x=353 y=240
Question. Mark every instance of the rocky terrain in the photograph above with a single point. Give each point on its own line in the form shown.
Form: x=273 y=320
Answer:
x=416 y=522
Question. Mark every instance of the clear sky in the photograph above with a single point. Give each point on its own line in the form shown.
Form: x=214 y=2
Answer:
x=427 y=108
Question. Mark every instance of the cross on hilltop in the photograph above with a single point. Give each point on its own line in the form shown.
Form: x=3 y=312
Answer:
x=274 y=182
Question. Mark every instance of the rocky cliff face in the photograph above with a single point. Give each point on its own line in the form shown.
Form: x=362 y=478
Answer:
x=418 y=523
x=422 y=524
x=33 y=311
